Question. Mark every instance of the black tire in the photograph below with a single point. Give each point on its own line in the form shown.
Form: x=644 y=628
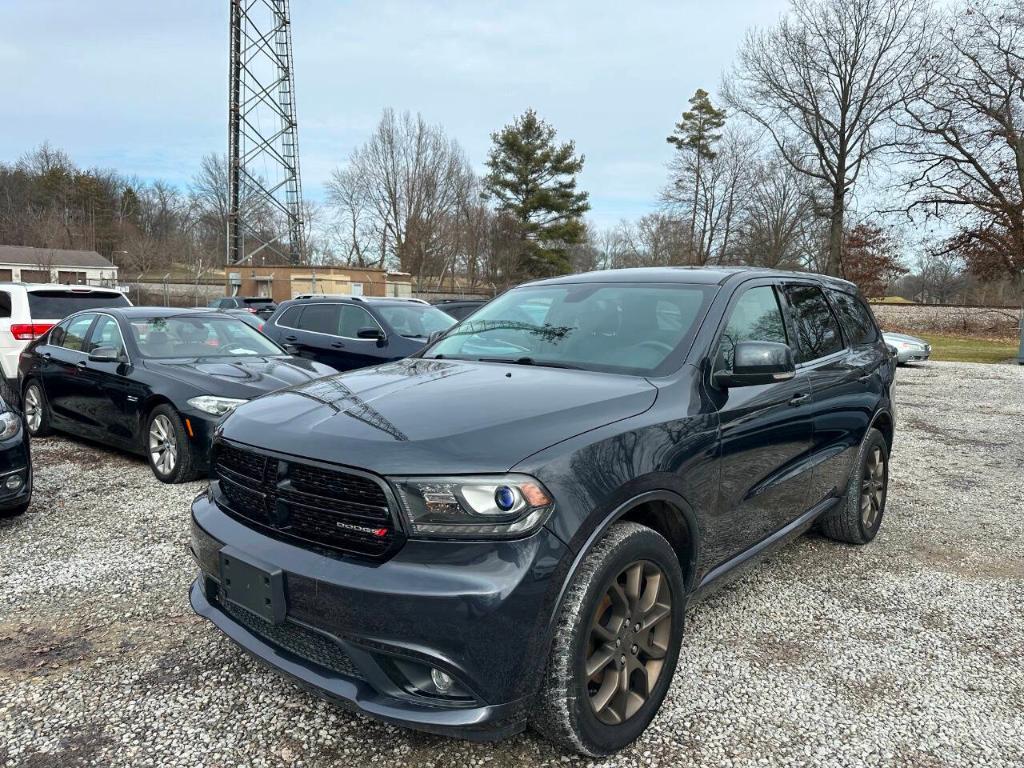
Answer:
x=565 y=711
x=181 y=467
x=35 y=398
x=848 y=521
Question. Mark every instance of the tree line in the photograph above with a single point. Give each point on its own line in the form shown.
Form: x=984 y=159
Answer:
x=837 y=135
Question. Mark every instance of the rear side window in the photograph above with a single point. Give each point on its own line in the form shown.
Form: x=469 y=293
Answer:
x=321 y=318
x=57 y=304
x=855 y=317
x=756 y=317
x=75 y=332
x=289 y=318
x=818 y=331
x=5 y=304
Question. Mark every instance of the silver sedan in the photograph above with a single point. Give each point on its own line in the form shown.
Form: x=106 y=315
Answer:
x=908 y=348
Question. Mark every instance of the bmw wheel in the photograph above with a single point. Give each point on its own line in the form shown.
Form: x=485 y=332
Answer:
x=168 y=447
x=37 y=412
x=616 y=643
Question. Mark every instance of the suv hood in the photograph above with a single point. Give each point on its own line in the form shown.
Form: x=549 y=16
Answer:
x=437 y=416
x=243 y=377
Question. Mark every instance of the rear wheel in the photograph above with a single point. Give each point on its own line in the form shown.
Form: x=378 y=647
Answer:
x=37 y=411
x=616 y=644
x=857 y=518
x=167 y=446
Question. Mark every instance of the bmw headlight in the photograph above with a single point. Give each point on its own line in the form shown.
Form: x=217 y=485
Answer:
x=488 y=506
x=10 y=423
x=218 y=406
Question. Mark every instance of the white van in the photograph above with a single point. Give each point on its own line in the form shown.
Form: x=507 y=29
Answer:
x=28 y=310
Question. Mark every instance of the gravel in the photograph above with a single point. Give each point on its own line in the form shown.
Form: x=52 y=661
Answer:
x=904 y=652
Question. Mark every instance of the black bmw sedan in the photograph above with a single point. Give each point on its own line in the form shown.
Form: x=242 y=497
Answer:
x=153 y=381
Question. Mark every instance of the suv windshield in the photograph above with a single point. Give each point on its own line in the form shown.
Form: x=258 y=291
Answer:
x=414 y=320
x=183 y=336
x=56 y=304
x=628 y=328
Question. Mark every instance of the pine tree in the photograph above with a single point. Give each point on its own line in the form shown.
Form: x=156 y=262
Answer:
x=533 y=179
x=695 y=136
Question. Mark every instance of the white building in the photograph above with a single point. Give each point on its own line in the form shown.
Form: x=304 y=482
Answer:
x=20 y=263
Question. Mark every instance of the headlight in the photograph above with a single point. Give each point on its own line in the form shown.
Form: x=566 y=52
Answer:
x=491 y=506
x=9 y=425
x=218 y=406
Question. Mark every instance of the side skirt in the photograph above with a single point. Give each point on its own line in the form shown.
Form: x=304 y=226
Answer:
x=715 y=578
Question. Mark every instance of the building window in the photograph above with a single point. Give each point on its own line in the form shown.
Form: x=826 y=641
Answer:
x=68 y=277
x=35 y=276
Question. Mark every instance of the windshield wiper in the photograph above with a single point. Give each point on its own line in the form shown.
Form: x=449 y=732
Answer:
x=528 y=361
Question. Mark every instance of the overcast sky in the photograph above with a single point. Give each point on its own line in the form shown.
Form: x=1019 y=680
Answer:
x=141 y=86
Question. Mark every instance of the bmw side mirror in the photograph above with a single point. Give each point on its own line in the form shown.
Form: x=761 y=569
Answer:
x=371 y=332
x=758 y=362
x=105 y=355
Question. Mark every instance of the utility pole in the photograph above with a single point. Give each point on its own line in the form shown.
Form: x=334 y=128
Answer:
x=265 y=188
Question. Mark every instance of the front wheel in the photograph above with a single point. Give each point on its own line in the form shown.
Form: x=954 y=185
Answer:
x=616 y=644
x=167 y=446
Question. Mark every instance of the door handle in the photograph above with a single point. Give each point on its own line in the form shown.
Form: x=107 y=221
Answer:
x=799 y=399
x=338 y=345
x=45 y=355
x=80 y=363
x=291 y=338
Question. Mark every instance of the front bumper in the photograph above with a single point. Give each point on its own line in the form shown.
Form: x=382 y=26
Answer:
x=913 y=355
x=16 y=459
x=199 y=427
x=477 y=611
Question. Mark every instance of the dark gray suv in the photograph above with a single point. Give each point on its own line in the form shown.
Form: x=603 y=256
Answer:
x=505 y=530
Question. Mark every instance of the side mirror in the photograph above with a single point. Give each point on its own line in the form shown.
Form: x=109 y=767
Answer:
x=758 y=362
x=105 y=355
x=291 y=349
x=370 y=332
x=893 y=352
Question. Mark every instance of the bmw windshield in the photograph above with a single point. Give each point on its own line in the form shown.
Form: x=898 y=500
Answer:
x=630 y=328
x=195 y=336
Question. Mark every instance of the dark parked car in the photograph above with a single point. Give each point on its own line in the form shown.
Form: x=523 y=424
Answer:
x=506 y=529
x=15 y=463
x=348 y=333
x=460 y=309
x=153 y=381
x=247 y=317
x=257 y=305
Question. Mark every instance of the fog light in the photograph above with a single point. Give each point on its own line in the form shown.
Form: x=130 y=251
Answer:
x=13 y=482
x=441 y=681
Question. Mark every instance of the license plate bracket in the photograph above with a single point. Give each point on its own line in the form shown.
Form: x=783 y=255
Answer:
x=252 y=584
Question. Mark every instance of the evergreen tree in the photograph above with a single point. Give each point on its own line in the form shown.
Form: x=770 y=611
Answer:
x=695 y=137
x=533 y=179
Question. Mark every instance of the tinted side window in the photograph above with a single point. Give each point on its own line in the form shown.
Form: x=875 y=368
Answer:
x=320 y=318
x=756 y=317
x=289 y=318
x=817 y=330
x=352 y=319
x=855 y=317
x=5 y=304
x=76 y=331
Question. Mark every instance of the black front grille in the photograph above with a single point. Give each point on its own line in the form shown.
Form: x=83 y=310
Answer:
x=296 y=639
x=322 y=507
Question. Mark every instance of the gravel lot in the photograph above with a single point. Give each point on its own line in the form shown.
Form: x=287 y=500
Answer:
x=906 y=652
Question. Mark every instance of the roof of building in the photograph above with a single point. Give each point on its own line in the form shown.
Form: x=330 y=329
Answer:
x=52 y=257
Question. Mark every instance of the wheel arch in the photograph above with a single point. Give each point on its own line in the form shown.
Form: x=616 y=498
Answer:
x=884 y=423
x=151 y=402
x=663 y=511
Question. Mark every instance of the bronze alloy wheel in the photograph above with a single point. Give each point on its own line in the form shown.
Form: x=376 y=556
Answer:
x=872 y=489
x=630 y=634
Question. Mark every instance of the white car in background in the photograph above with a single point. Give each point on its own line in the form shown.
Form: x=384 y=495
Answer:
x=28 y=310
x=909 y=349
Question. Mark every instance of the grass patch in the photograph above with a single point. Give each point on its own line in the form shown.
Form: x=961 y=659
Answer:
x=891 y=300
x=965 y=349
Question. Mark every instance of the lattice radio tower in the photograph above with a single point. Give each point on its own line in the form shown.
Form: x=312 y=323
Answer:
x=265 y=216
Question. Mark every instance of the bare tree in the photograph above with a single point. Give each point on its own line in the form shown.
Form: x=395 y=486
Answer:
x=825 y=83
x=969 y=157
x=654 y=240
x=400 y=195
